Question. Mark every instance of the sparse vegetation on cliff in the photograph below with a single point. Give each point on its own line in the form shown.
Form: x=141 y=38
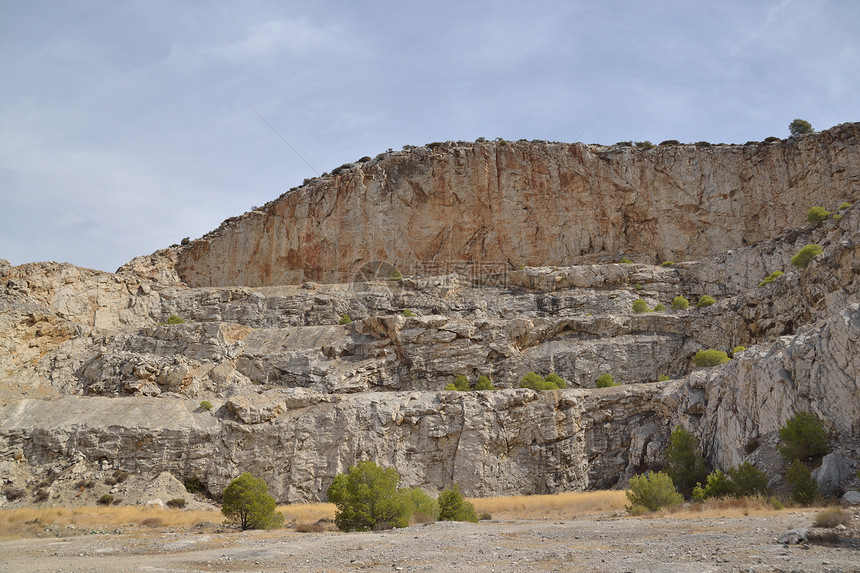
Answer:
x=800 y=127
x=606 y=381
x=806 y=254
x=710 y=357
x=816 y=215
x=537 y=382
x=705 y=300
x=771 y=277
x=344 y=320
x=640 y=306
x=680 y=303
x=173 y=319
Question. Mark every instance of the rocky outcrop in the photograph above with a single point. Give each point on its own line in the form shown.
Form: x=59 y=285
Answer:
x=492 y=206
x=94 y=380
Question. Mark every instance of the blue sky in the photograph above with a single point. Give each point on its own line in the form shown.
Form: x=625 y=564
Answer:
x=126 y=126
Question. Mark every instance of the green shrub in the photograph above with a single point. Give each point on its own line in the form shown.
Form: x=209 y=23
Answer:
x=454 y=507
x=663 y=378
x=644 y=145
x=685 y=463
x=638 y=286
x=461 y=384
x=748 y=480
x=816 y=215
x=837 y=217
x=806 y=254
x=705 y=300
x=395 y=275
x=533 y=381
x=652 y=491
x=625 y=261
x=804 y=489
x=640 y=306
x=844 y=206
x=831 y=517
x=667 y=263
x=718 y=485
x=176 y=503
x=484 y=383
x=421 y=506
x=345 y=319
x=799 y=127
x=206 y=405
x=680 y=303
x=659 y=307
x=605 y=381
x=737 y=350
x=408 y=313
x=555 y=382
x=670 y=142
x=803 y=436
x=173 y=319
x=367 y=498
x=106 y=499
x=710 y=357
x=771 y=277
x=247 y=503
x=194 y=485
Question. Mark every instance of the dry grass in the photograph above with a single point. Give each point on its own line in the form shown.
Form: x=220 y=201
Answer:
x=724 y=507
x=307 y=512
x=557 y=506
x=16 y=522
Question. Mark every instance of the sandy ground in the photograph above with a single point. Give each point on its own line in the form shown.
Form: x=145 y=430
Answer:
x=613 y=544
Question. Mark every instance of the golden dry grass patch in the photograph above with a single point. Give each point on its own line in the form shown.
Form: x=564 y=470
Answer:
x=16 y=522
x=307 y=512
x=555 y=506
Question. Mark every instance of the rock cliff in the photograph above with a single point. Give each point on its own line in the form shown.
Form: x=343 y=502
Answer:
x=510 y=254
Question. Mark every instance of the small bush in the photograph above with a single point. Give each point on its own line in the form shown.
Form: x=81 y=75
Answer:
x=705 y=300
x=152 y=522
x=670 y=142
x=408 y=313
x=13 y=493
x=771 y=277
x=605 y=381
x=652 y=491
x=667 y=263
x=803 y=436
x=680 y=303
x=176 y=503
x=106 y=499
x=460 y=384
x=110 y=480
x=638 y=286
x=454 y=507
x=366 y=498
x=806 y=254
x=206 y=405
x=173 y=319
x=344 y=320
x=685 y=463
x=644 y=145
x=844 y=206
x=832 y=517
x=41 y=495
x=248 y=504
x=799 y=127
x=816 y=215
x=804 y=489
x=718 y=485
x=837 y=217
x=194 y=485
x=737 y=350
x=625 y=261
x=640 y=306
x=395 y=275
x=120 y=475
x=484 y=383
x=710 y=357
x=660 y=307
x=748 y=480
x=663 y=378
x=555 y=382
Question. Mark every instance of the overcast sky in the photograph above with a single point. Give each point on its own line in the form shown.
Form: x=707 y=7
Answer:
x=128 y=125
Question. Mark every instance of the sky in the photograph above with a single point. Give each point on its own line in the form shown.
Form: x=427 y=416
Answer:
x=128 y=125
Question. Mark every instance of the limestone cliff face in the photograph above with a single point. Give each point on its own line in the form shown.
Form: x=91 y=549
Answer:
x=502 y=204
x=93 y=380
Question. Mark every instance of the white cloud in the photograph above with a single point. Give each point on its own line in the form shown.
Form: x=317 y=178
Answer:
x=275 y=37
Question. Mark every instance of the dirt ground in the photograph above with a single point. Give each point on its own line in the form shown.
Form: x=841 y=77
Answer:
x=602 y=543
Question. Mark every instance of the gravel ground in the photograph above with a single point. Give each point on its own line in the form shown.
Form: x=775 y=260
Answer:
x=610 y=544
